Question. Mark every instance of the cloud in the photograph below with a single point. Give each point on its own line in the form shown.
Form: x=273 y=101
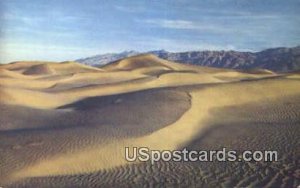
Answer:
x=26 y=20
x=32 y=20
x=186 y=25
x=132 y=9
x=215 y=26
x=173 y=24
x=52 y=24
x=235 y=14
x=61 y=16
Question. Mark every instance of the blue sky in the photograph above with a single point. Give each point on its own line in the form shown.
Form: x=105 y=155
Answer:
x=60 y=30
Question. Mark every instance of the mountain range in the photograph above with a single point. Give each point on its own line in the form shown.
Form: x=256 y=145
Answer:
x=280 y=59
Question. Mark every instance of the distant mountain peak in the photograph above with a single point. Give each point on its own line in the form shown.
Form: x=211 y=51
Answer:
x=158 y=51
x=129 y=52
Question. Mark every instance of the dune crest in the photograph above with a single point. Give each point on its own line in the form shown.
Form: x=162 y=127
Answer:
x=140 y=61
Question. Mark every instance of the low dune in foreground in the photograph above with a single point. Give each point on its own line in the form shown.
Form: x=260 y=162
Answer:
x=67 y=124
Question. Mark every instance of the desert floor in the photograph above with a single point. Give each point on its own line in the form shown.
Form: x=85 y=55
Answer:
x=67 y=124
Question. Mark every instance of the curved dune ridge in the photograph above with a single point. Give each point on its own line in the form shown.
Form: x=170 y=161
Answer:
x=260 y=71
x=139 y=61
x=69 y=120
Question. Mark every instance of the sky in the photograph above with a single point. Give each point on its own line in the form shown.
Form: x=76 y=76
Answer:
x=58 y=30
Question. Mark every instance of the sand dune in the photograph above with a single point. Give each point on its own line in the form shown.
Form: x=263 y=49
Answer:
x=68 y=120
x=72 y=67
x=140 y=61
x=116 y=81
x=20 y=65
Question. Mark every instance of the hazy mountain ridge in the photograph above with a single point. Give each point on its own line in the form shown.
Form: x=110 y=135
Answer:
x=276 y=59
x=106 y=58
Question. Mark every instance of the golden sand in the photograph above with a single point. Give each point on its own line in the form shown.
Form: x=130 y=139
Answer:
x=57 y=89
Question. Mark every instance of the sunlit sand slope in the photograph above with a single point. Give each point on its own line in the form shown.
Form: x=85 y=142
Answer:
x=62 y=121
